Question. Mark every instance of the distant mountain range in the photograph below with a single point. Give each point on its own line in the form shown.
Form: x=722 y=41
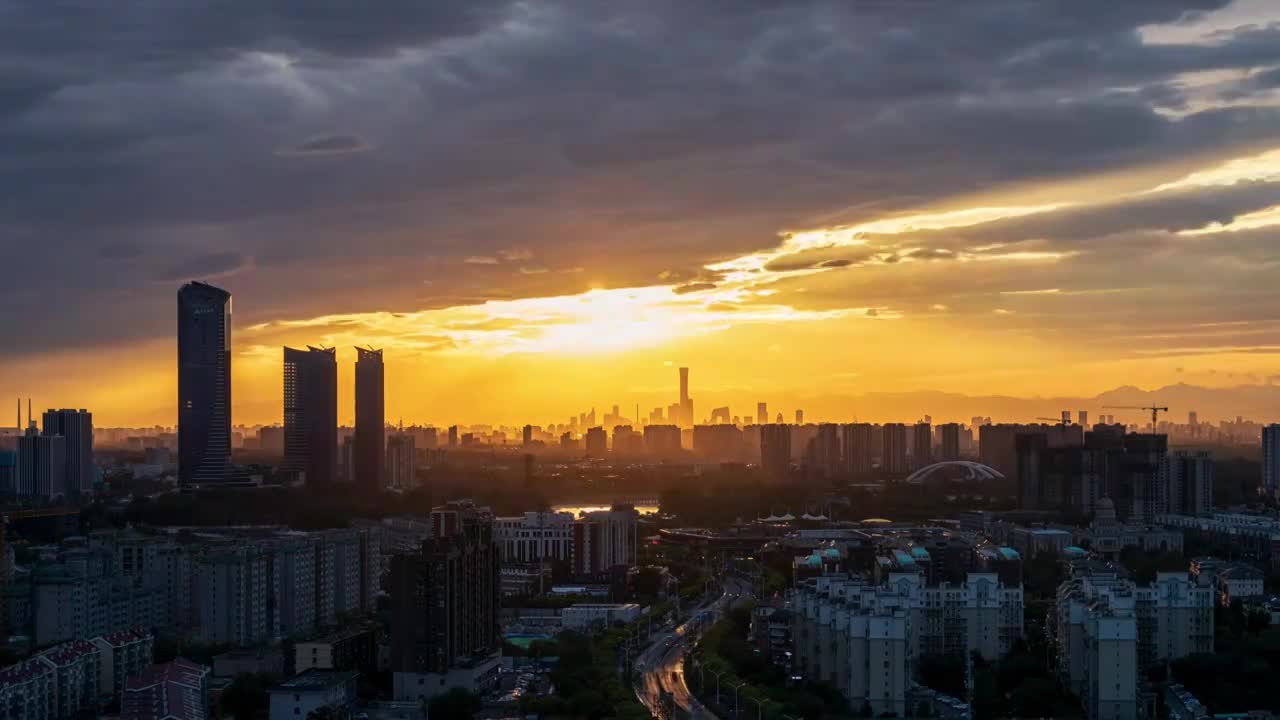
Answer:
x=1260 y=403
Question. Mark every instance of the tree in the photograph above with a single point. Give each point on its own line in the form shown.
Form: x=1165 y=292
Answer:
x=327 y=712
x=1257 y=620
x=247 y=696
x=457 y=704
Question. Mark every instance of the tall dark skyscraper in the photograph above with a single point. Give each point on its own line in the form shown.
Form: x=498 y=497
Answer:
x=76 y=427
x=204 y=384
x=370 y=435
x=311 y=413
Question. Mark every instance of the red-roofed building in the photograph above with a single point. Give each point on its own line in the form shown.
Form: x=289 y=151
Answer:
x=75 y=676
x=124 y=654
x=26 y=691
x=177 y=690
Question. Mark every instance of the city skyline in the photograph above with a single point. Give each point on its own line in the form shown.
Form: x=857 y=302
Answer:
x=970 y=232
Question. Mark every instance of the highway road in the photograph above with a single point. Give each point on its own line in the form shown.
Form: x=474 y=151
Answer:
x=661 y=668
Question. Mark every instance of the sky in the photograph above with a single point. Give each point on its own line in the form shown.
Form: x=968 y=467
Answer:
x=540 y=206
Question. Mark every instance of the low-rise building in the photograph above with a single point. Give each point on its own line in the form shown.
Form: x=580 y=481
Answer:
x=312 y=690
x=1238 y=581
x=353 y=648
x=177 y=690
x=587 y=616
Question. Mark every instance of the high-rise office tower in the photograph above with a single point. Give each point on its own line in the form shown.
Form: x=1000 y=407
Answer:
x=453 y=436
x=369 y=446
x=775 y=451
x=762 y=413
x=1271 y=457
x=686 y=402
x=526 y=436
x=204 y=384
x=856 y=448
x=76 y=426
x=311 y=414
x=1083 y=416
x=922 y=445
x=893 y=456
x=799 y=417
x=949 y=441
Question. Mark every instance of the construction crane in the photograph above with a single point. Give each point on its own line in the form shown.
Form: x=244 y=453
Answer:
x=1155 y=411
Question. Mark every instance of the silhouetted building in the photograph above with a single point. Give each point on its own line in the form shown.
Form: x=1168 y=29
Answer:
x=1062 y=479
x=1190 y=483
x=686 y=402
x=400 y=468
x=1271 y=458
x=824 y=451
x=775 y=451
x=893 y=455
x=799 y=417
x=370 y=435
x=949 y=441
x=444 y=606
x=597 y=442
x=762 y=413
x=857 y=448
x=41 y=465
x=453 y=436
x=311 y=414
x=204 y=384
x=922 y=445
x=526 y=436
x=720 y=443
x=662 y=440
x=76 y=426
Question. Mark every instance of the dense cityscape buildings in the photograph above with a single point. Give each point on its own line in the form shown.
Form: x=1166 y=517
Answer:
x=863 y=605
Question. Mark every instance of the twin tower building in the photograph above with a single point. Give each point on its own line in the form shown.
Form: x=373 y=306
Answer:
x=310 y=401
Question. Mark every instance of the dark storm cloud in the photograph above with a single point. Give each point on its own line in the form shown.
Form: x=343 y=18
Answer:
x=624 y=138
x=203 y=267
x=1111 y=222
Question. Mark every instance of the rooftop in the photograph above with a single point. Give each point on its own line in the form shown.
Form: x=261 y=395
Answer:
x=124 y=637
x=22 y=672
x=315 y=680
x=69 y=652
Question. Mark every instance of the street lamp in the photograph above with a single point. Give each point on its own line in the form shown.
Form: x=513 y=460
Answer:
x=719 y=675
x=735 y=697
x=759 y=707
